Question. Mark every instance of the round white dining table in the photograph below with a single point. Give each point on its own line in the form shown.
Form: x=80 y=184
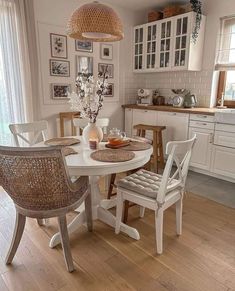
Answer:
x=81 y=164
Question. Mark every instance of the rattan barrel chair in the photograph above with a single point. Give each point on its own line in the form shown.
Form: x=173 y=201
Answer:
x=38 y=182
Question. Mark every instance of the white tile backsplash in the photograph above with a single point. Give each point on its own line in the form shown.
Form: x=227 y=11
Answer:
x=199 y=83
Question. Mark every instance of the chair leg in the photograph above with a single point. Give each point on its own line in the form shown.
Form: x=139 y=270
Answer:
x=18 y=231
x=112 y=180
x=40 y=222
x=142 y=210
x=119 y=210
x=88 y=210
x=178 y=212
x=65 y=243
x=159 y=229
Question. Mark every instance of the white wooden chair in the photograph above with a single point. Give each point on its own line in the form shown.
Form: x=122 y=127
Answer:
x=158 y=192
x=34 y=131
x=30 y=133
x=103 y=123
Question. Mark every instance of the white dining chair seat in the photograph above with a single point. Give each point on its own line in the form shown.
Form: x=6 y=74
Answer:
x=146 y=183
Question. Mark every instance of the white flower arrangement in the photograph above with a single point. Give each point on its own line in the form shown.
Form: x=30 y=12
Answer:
x=89 y=99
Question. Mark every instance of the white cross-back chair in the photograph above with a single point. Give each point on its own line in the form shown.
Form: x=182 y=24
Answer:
x=103 y=123
x=158 y=192
x=34 y=131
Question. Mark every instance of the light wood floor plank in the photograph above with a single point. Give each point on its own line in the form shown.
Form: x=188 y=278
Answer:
x=203 y=258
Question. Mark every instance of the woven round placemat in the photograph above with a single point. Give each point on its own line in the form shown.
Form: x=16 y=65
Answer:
x=137 y=146
x=62 y=141
x=69 y=151
x=112 y=156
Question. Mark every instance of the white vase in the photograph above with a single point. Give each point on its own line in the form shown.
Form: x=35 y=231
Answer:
x=91 y=132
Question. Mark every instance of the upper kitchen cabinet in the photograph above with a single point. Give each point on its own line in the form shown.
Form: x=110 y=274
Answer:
x=151 y=48
x=139 y=34
x=167 y=44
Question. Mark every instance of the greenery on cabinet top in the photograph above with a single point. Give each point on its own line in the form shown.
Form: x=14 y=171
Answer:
x=166 y=45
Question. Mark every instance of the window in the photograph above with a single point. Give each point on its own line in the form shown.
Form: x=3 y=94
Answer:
x=225 y=61
x=226 y=87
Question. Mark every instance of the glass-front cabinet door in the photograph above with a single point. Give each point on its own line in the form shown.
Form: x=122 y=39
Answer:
x=165 y=44
x=139 y=48
x=151 y=43
x=181 y=40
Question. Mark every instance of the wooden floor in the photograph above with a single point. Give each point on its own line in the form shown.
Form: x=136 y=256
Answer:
x=203 y=258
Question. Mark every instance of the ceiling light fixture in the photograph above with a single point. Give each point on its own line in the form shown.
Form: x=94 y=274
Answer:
x=95 y=22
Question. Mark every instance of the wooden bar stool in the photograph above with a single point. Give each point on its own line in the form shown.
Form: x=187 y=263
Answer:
x=157 y=156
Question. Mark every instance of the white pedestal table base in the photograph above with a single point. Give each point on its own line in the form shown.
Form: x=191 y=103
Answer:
x=99 y=212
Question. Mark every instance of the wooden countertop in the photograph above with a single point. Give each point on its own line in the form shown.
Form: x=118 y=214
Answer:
x=197 y=110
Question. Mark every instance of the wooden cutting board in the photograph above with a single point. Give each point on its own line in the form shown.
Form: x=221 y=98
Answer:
x=117 y=146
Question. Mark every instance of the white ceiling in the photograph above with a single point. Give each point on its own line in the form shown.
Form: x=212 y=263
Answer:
x=143 y=4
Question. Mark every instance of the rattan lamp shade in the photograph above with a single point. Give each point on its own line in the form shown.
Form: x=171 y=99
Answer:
x=95 y=22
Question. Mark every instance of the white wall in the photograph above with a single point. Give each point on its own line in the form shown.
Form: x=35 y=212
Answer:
x=200 y=83
x=57 y=13
x=52 y=16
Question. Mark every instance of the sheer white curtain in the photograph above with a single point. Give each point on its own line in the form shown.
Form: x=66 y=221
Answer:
x=225 y=59
x=15 y=85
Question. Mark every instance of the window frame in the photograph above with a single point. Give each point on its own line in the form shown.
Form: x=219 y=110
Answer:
x=221 y=87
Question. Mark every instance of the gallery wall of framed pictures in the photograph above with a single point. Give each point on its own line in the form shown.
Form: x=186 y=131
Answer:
x=62 y=58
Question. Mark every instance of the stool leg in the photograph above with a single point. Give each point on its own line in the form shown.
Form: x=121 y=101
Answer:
x=126 y=207
x=161 y=154
x=111 y=185
x=155 y=152
x=138 y=133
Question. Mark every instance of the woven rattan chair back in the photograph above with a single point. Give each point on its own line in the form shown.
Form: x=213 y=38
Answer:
x=35 y=131
x=37 y=178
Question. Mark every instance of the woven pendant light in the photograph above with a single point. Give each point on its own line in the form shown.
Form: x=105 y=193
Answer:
x=95 y=22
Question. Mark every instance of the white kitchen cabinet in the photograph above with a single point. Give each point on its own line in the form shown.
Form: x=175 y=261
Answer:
x=148 y=117
x=176 y=126
x=223 y=161
x=167 y=45
x=139 y=34
x=128 y=121
x=201 y=155
x=152 y=30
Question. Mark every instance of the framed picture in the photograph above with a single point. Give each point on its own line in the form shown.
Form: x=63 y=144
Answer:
x=84 y=64
x=59 y=68
x=106 y=51
x=83 y=46
x=58 y=46
x=108 y=68
x=109 y=91
x=60 y=91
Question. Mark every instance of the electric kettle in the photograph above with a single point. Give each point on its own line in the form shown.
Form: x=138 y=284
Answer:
x=190 y=101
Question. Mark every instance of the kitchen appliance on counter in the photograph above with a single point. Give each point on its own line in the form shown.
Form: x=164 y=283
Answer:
x=178 y=100
x=158 y=100
x=145 y=96
x=190 y=101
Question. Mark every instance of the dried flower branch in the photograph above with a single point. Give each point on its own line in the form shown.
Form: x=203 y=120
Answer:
x=90 y=96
